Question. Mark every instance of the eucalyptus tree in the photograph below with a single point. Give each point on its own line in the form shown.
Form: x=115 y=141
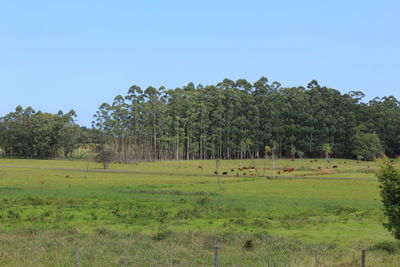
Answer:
x=213 y=121
x=135 y=102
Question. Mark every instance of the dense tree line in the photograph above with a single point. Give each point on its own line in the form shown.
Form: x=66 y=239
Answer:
x=233 y=119
x=27 y=133
x=218 y=121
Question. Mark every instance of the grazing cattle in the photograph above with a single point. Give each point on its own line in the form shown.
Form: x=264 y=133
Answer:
x=232 y=170
x=334 y=167
x=215 y=172
x=279 y=172
x=244 y=173
x=244 y=168
x=200 y=167
x=225 y=173
x=241 y=169
x=288 y=169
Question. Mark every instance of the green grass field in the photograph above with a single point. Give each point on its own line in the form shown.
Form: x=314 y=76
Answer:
x=158 y=212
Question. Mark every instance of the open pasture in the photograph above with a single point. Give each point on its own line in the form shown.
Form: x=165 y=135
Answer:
x=302 y=167
x=165 y=202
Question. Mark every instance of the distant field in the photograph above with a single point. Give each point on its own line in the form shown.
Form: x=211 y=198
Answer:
x=303 y=167
x=169 y=201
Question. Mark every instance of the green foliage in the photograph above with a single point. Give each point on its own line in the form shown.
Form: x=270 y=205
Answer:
x=105 y=156
x=30 y=133
x=293 y=151
x=327 y=148
x=218 y=120
x=365 y=145
x=212 y=121
x=389 y=178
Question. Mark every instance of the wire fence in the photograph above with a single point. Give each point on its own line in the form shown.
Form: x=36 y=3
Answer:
x=126 y=261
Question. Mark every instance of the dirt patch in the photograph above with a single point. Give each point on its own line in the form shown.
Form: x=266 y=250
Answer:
x=327 y=171
x=321 y=172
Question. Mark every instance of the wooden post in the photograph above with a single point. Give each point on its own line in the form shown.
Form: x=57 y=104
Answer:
x=77 y=255
x=363 y=258
x=36 y=256
x=126 y=257
x=316 y=260
x=216 y=259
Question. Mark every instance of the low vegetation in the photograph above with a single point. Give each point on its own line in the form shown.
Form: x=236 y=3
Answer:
x=157 y=212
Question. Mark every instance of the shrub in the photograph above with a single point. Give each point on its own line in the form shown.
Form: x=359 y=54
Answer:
x=389 y=178
x=389 y=247
x=249 y=244
x=203 y=201
x=105 y=156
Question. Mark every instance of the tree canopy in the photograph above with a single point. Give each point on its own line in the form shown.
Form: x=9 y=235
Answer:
x=214 y=121
x=365 y=145
x=389 y=178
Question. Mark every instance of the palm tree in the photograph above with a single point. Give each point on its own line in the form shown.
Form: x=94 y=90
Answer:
x=327 y=150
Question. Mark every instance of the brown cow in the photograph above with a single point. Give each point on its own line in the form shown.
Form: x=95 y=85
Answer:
x=288 y=169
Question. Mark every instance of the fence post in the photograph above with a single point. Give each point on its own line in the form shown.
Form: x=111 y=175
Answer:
x=77 y=255
x=216 y=259
x=363 y=258
x=126 y=257
x=316 y=259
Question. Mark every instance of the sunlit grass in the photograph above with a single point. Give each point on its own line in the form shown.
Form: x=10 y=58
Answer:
x=344 y=213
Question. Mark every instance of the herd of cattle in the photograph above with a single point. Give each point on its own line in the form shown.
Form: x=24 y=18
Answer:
x=252 y=171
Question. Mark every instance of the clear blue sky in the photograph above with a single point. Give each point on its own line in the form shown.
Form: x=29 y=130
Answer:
x=77 y=54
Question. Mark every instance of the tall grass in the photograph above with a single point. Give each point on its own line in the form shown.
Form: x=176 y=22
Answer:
x=29 y=247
